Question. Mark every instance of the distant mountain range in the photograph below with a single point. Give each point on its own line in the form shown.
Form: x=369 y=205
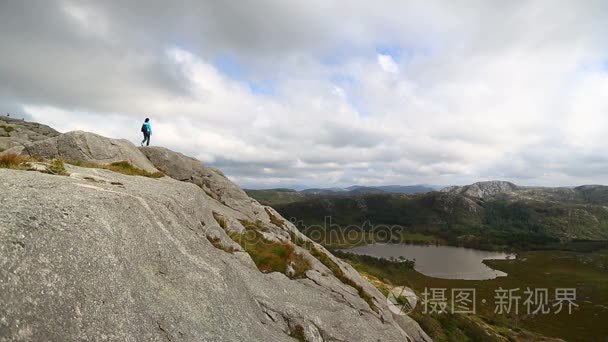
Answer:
x=283 y=195
x=484 y=214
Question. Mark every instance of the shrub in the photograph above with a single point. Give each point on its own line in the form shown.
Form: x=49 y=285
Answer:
x=57 y=167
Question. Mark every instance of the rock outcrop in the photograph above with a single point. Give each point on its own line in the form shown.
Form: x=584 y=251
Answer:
x=212 y=181
x=15 y=132
x=85 y=147
x=99 y=255
x=483 y=190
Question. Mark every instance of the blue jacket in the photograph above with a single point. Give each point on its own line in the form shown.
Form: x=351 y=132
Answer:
x=148 y=127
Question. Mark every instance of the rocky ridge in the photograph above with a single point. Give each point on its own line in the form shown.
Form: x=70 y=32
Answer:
x=14 y=132
x=98 y=255
x=482 y=190
x=584 y=194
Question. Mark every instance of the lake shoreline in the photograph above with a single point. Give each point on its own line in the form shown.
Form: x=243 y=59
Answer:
x=438 y=261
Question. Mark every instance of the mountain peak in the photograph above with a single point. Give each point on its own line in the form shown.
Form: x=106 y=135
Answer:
x=483 y=189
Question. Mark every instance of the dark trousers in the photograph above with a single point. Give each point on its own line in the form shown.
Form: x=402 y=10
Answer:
x=146 y=138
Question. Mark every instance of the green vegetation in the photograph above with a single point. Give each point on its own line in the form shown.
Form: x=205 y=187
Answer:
x=560 y=235
x=269 y=256
x=439 y=218
x=14 y=161
x=254 y=226
x=587 y=272
x=337 y=238
x=57 y=167
x=123 y=167
x=20 y=162
x=275 y=196
x=396 y=265
x=8 y=129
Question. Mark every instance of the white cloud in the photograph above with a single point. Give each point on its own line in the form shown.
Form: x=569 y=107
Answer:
x=387 y=63
x=512 y=90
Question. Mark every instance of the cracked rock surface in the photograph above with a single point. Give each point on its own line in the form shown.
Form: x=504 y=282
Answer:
x=99 y=255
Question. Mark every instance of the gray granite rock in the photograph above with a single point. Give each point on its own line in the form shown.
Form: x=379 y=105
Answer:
x=99 y=255
x=105 y=256
x=215 y=184
x=14 y=132
x=85 y=147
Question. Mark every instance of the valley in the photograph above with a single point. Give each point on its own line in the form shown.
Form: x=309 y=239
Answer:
x=558 y=234
x=585 y=272
x=481 y=216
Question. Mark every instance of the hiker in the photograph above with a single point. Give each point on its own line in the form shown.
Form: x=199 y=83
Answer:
x=146 y=129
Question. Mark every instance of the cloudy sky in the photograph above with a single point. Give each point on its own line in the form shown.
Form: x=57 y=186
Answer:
x=326 y=92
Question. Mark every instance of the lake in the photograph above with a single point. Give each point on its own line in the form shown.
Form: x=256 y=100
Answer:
x=445 y=262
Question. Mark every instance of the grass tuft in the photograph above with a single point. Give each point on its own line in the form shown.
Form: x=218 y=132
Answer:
x=298 y=333
x=269 y=256
x=129 y=169
x=123 y=167
x=21 y=162
x=257 y=225
x=8 y=129
x=57 y=167
x=217 y=243
x=14 y=161
x=220 y=220
x=275 y=220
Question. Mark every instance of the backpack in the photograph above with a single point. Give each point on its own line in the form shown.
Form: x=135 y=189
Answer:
x=143 y=128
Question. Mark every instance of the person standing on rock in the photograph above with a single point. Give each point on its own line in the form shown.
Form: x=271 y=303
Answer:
x=146 y=129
